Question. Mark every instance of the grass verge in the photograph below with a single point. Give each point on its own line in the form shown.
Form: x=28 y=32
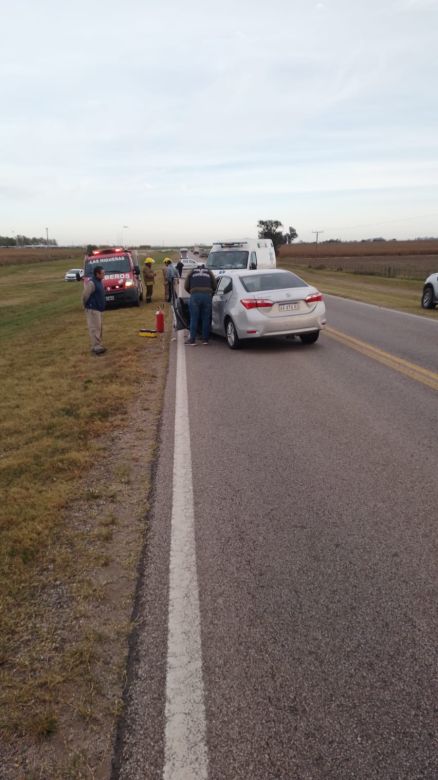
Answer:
x=400 y=294
x=78 y=436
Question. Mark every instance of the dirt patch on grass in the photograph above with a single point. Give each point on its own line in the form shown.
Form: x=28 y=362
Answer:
x=68 y=670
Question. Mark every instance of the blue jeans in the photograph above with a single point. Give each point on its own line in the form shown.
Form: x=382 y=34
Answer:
x=200 y=309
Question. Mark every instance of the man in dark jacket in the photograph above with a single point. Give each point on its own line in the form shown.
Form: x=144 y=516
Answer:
x=180 y=267
x=184 y=256
x=93 y=299
x=201 y=284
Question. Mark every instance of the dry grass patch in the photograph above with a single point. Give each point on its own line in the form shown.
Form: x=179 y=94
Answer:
x=77 y=443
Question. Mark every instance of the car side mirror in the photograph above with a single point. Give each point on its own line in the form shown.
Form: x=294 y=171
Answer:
x=253 y=266
x=136 y=270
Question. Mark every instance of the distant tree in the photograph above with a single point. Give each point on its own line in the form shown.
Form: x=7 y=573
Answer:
x=292 y=235
x=269 y=228
x=7 y=241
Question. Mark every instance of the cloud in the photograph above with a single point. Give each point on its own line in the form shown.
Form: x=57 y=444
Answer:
x=154 y=109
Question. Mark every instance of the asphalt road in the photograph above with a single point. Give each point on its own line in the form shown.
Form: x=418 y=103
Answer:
x=315 y=508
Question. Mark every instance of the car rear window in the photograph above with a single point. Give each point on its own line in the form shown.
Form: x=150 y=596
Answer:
x=262 y=282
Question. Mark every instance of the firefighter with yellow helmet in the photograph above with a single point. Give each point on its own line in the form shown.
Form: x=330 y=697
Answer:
x=149 y=277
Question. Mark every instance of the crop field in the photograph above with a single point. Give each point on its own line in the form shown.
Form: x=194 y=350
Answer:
x=26 y=255
x=391 y=259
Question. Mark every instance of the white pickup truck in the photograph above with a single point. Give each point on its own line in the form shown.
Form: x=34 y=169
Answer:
x=429 y=298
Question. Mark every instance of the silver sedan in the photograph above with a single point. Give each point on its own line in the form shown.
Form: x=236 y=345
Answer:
x=271 y=302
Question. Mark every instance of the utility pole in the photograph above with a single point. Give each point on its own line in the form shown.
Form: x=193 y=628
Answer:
x=317 y=232
x=47 y=236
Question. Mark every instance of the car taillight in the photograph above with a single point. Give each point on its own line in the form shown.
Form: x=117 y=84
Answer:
x=314 y=298
x=256 y=303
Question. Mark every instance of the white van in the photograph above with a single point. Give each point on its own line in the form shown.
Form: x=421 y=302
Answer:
x=249 y=253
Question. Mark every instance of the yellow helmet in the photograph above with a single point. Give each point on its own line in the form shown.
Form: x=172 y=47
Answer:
x=149 y=260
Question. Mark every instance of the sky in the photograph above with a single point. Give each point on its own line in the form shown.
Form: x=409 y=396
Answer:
x=168 y=122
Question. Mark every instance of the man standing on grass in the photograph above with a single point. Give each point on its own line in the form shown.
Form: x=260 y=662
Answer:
x=149 y=277
x=93 y=299
x=171 y=275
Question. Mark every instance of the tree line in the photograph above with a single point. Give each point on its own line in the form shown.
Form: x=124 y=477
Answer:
x=26 y=241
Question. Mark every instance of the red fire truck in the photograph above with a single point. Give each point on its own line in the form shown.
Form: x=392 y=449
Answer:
x=122 y=281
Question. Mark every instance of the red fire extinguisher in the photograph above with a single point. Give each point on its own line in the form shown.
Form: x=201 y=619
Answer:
x=159 y=321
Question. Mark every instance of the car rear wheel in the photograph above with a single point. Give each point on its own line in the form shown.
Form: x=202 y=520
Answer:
x=427 y=298
x=310 y=338
x=233 y=340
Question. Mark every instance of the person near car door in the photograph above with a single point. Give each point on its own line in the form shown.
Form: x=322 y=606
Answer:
x=179 y=267
x=149 y=278
x=93 y=300
x=201 y=284
x=184 y=256
x=166 y=262
x=171 y=275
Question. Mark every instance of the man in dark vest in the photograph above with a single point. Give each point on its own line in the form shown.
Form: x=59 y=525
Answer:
x=93 y=299
x=201 y=284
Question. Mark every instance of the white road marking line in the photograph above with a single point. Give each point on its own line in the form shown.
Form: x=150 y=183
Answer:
x=186 y=755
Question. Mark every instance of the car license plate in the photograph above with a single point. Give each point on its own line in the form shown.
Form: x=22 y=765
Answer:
x=110 y=297
x=287 y=306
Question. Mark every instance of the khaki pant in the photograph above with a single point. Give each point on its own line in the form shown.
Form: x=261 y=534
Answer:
x=94 y=322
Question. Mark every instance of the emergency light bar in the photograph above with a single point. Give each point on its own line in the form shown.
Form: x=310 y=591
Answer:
x=230 y=243
x=108 y=251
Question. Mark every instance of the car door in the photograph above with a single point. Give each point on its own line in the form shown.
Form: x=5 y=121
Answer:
x=220 y=300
